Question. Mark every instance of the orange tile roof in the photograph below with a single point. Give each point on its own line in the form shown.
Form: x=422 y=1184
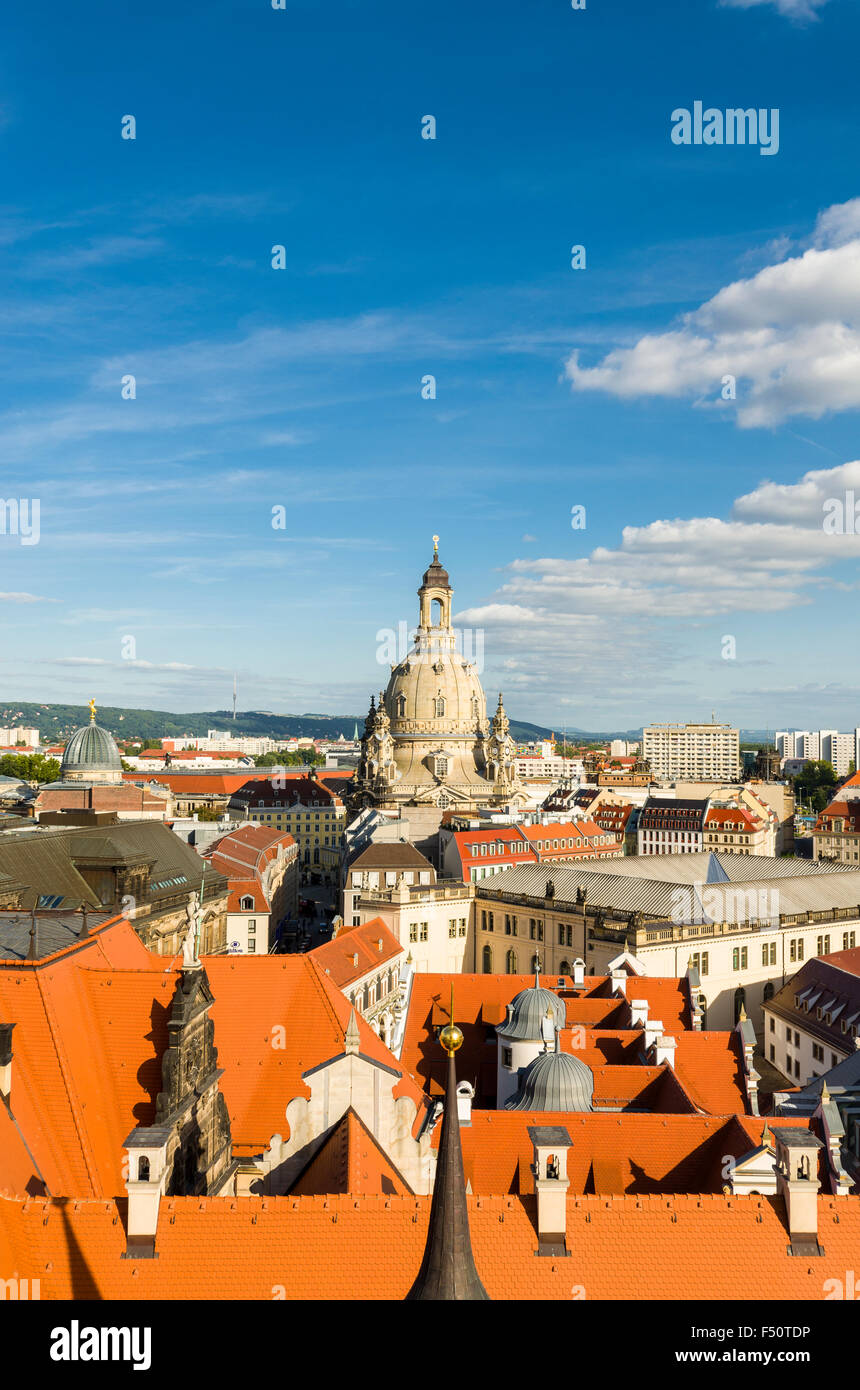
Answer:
x=256 y=997
x=194 y=784
x=92 y=1028
x=354 y=953
x=350 y=1161
x=622 y=1248
x=650 y=1153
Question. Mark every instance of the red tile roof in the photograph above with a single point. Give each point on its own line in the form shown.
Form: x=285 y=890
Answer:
x=354 y=953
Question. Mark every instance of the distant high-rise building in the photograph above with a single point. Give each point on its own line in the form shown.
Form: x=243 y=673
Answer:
x=692 y=752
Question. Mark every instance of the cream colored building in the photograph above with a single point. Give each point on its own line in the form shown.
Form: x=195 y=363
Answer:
x=696 y=752
x=746 y=930
x=435 y=924
x=428 y=742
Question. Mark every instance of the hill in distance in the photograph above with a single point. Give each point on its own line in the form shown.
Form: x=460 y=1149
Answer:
x=59 y=721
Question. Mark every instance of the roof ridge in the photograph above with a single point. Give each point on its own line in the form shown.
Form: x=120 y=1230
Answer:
x=71 y=1095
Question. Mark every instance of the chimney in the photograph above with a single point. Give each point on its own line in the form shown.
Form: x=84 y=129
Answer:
x=551 y=1143
x=579 y=972
x=619 y=979
x=6 y=1063
x=653 y=1031
x=638 y=1013
x=146 y=1163
x=664 y=1051
x=465 y=1096
x=797 y=1183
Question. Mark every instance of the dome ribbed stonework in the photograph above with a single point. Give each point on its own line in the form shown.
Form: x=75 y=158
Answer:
x=91 y=755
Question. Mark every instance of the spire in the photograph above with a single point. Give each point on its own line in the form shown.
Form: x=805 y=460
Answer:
x=435 y=550
x=32 y=953
x=448 y=1272
x=352 y=1038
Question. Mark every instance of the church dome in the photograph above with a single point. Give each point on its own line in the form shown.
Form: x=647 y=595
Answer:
x=555 y=1081
x=91 y=755
x=526 y=1014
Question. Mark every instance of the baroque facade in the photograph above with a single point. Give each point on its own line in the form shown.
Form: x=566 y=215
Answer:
x=428 y=741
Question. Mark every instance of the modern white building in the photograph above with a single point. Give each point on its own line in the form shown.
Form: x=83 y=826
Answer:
x=826 y=744
x=695 y=752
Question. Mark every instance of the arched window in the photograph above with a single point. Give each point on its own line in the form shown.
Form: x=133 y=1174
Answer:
x=247 y=904
x=143 y=1170
x=440 y=706
x=511 y=962
x=564 y=968
x=401 y=706
x=476 y=708
x=768 y=992
x=487 y=961
x=740 y=1002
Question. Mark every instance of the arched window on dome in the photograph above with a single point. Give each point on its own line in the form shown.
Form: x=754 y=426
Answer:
x=511 y=962
x=487 y=961
x=439 y=705
x=401 y=706
x=476 y=707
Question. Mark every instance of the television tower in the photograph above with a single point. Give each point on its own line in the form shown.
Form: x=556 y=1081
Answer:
x=234 y=695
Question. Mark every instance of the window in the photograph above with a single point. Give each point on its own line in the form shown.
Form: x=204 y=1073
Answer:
x=739 y=958
x=511 y=963
x=462 y=926
x=487 y=961
x=849 y=940
x=439 y=706
x=247 y=904
x=413 y=931
x=817 y=1052
x=561 y=940
x=422 y=931
x=452 y=928
x=822 y=946
x=773 y=1026
x=772 y=1052
x=507 y=1057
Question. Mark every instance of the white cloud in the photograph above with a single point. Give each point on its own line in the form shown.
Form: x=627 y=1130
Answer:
x=789 y=335
x=792 y=9
x=799 y=504
x=622 y=621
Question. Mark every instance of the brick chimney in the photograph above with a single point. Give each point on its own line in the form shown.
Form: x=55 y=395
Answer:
x=797 y=1183
x=551 y=1143
x=146 y=1161
x=6 y=1063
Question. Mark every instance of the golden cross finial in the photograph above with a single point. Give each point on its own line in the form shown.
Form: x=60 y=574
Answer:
x=92 y=711
x=435 y=547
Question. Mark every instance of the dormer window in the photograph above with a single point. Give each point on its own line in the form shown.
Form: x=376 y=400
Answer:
x=247 y=904
x=441 y=766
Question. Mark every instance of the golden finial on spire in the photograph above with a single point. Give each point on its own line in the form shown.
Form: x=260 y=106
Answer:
x=435 y=547
x=92 y=711
x=450 y=1037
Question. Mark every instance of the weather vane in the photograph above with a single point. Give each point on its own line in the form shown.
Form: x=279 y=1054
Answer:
x=435 y=547
x=92 y=711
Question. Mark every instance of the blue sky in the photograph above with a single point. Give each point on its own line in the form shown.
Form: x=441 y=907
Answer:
x=258 y=388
